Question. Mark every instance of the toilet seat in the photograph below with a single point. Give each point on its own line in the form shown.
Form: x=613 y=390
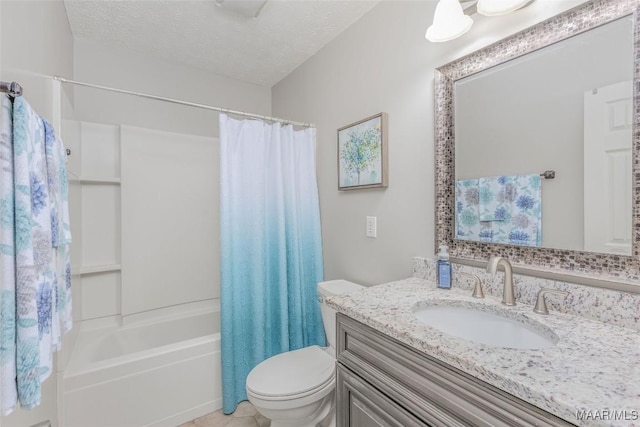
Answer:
x=292 y=375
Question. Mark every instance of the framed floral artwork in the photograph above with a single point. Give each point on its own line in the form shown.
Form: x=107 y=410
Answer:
x=362 y=154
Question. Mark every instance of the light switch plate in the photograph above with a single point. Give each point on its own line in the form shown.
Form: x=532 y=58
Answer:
x=372 y=228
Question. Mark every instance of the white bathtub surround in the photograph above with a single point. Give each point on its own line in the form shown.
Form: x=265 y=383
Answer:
x=151 y=372
x=184 y=256
x=604 y=305
x=588 y=369
x=121 y=356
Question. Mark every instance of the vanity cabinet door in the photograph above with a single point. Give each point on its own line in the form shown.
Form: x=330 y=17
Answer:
x=361 y=405
x=432 y=391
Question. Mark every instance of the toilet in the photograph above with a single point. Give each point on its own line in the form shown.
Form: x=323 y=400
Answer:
x=297 y=388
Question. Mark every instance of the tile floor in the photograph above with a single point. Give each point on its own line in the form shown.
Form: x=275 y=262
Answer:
x=244 y=416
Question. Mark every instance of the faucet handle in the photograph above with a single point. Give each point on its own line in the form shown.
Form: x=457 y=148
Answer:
x=477 y=289
x=541 y=304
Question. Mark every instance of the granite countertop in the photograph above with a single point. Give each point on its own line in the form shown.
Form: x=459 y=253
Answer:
x=593 y=367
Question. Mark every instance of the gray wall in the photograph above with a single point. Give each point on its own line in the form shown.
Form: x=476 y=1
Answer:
x=36 y=43
x=384 y=63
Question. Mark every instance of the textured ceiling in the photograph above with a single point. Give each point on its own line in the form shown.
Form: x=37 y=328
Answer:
x=200 y=34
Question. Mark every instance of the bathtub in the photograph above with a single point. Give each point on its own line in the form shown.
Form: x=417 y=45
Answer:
x=158 y=372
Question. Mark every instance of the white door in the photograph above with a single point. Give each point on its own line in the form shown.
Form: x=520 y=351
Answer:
x=607 y=169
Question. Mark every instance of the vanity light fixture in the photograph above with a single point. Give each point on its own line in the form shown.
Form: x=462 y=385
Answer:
x=499 y=7
x=245 y=8
x=450 y=20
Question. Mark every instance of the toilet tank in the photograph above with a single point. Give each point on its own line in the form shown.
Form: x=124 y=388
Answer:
x=326 y=289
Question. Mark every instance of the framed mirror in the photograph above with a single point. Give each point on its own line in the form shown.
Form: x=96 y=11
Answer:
x=527 y=106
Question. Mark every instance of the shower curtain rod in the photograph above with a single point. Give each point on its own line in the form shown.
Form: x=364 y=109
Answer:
x=190 y=104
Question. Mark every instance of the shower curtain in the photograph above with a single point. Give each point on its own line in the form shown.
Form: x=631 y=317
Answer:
x=271 y=247
x=35 y=277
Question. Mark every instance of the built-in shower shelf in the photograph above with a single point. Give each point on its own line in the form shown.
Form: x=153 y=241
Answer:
x=98 y=181
x=94 y=269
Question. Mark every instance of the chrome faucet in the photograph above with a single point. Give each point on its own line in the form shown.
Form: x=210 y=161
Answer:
x=492 y=268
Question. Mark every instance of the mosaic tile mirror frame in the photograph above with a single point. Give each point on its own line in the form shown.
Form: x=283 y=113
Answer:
x=585 y=267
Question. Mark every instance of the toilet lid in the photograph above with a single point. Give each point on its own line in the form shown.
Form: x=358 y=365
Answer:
x=292 y=373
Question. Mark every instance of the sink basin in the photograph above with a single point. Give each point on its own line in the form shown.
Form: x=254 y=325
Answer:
x=483 y=327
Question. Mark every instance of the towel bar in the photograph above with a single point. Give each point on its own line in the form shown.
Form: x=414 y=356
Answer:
x=548 y=174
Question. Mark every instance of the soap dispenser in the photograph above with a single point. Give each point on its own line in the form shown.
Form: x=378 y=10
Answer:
x=444 y=268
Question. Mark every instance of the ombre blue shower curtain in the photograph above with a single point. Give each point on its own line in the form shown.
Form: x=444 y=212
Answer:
x=271 y=247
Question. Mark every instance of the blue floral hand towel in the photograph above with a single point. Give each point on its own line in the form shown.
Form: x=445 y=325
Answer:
x=492 y=201
x=8 y=390
x=516 y=202
x=524 y=225
x=468 y=224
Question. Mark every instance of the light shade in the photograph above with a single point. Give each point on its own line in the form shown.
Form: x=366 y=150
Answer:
x=245 y=8
x=499 y=7
x=449 y=22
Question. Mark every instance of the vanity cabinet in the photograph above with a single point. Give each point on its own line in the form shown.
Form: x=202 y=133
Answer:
x=383 y=382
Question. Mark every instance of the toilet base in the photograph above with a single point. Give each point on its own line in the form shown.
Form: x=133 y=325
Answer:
x=324 y=417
